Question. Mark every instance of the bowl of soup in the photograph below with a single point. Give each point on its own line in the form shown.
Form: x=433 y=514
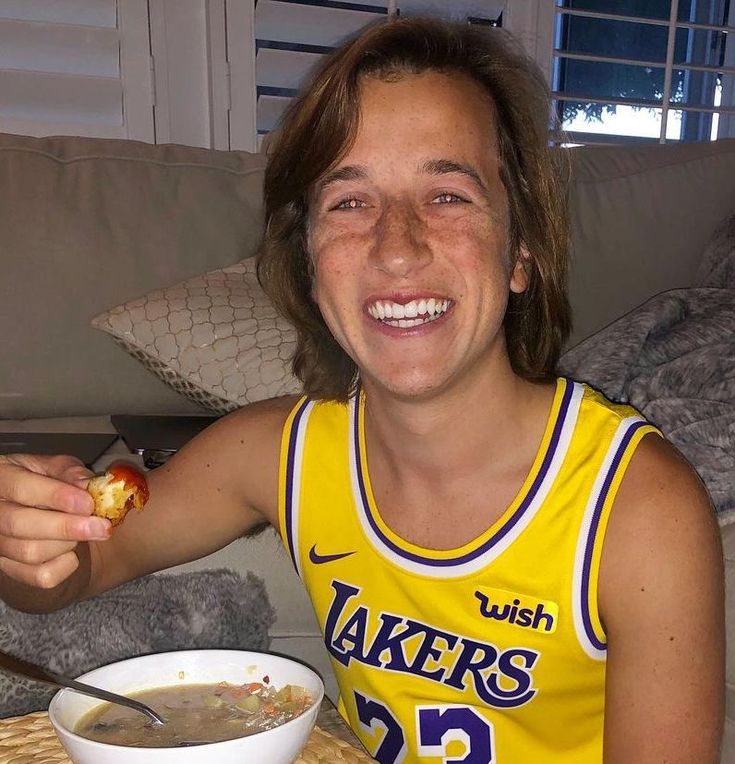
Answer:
x=224 y=706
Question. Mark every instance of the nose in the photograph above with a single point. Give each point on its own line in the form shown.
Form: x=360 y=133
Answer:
x=400 y=243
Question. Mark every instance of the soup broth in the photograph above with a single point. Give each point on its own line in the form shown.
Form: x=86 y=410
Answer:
x=195 y=714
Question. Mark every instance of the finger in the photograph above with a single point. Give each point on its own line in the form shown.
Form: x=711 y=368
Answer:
x=52 y=465
x=46 y=576
x=22 y=485
x=64 y=467
x=33 y=552
x=21 y=522
x=70 y=470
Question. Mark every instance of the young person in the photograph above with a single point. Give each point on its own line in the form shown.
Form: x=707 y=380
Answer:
x=506 y=566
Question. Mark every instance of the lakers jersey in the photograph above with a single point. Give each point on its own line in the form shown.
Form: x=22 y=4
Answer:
x=489 y=653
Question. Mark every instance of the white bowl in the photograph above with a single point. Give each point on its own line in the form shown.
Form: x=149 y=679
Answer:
x=279 y=745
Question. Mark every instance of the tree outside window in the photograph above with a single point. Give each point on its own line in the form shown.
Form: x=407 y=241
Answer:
x=636 y=69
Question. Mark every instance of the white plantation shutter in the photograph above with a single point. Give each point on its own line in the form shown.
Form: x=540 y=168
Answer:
x=290 y=36
x=76 y=67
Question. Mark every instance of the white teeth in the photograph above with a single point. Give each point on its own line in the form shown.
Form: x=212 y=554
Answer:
x=409 y=314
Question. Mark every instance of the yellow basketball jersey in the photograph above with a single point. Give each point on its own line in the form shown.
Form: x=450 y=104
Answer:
x=490 y=653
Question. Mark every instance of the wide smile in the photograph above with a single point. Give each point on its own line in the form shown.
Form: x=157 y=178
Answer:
x=409 y=314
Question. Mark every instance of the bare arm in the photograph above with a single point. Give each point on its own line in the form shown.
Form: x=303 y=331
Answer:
x=661 y=599
x=221 y=486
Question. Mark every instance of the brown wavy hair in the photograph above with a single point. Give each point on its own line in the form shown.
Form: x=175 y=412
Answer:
x=317 y=131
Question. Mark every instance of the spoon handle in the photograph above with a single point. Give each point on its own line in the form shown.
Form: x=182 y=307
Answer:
x=31 y=671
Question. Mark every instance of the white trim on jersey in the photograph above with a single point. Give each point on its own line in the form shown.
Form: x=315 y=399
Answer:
x=293 y=471
x=587 y=534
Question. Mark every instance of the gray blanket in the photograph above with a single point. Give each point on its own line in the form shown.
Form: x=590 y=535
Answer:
x=673 y=358
x=207 y=609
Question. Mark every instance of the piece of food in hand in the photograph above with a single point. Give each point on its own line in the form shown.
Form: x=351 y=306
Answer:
x=121 y=488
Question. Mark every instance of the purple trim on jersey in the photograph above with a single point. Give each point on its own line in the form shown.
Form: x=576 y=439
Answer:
x=290 y=458
x=509 y=524
x=594 y=527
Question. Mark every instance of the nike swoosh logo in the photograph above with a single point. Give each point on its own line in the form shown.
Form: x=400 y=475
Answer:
x=320 y=559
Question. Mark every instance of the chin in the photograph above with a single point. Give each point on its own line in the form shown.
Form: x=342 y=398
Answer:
x=411 y=388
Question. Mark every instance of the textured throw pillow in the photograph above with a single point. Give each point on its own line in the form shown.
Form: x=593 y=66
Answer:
x=215 y=338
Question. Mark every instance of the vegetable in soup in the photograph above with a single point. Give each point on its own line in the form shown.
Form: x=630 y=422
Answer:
x=195 y=714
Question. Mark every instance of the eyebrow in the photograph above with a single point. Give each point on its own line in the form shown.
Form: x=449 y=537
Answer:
x=448 y=166
x=430 y=167
x=342 y=174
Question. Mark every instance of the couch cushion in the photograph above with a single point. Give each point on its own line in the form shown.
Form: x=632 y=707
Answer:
x=86 y=224
x=641 y=219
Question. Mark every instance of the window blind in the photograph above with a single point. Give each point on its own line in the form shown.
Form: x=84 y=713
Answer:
x=668 y=74
x=75 y=67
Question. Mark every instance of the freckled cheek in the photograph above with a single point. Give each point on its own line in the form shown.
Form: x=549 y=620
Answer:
x=338 y=250
x=473 y=245
x=336 y=275
x=470 y=225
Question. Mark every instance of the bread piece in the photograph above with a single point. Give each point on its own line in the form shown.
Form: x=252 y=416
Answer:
x=121 y=488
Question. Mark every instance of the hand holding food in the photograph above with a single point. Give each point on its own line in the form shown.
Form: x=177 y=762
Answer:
x=44 y=512
x=121 y=488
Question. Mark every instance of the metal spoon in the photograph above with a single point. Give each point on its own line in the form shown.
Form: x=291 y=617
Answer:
x=31 y=671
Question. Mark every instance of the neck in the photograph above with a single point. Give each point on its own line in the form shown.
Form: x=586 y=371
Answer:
x=452 y=434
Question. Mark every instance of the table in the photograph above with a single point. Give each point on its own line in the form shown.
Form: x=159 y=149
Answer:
x=329 y=720
x=30 y=739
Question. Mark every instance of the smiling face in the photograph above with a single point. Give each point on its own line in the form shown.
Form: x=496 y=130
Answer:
x=408 y=236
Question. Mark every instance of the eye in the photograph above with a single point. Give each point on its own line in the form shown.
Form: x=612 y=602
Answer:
x=351 y=203
x=447 y=198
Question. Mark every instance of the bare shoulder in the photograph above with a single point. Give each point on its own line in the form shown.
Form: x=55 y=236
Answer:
x=662 y=522
x=242 y=451
x=662 y=503
x=261 y=419
x=258 y=425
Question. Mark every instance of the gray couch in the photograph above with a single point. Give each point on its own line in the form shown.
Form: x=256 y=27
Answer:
x=87 y=224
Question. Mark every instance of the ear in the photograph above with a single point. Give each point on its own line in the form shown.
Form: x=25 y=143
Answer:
x=519 y=277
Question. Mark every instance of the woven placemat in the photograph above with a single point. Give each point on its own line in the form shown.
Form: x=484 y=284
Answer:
x=31 y=739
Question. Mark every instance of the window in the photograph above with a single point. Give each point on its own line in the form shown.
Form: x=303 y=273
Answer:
x=78 y=67
x=657 y=70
